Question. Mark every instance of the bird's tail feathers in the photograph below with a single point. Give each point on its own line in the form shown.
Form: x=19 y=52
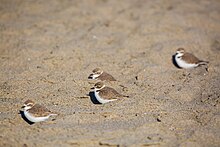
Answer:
x=203 y=62
x=53 y=114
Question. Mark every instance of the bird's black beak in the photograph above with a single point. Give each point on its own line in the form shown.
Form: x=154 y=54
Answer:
x=90 y=76
x=22 y=108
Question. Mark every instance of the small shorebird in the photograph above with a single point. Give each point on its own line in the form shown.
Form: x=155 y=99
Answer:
x=35 y=112
x=105 y=94
x=187 y=60
x=97 y=73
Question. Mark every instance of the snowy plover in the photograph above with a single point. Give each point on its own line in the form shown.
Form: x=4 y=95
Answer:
x=187 y=60
x=35 y=112
x=105 y=94
x=97 y=73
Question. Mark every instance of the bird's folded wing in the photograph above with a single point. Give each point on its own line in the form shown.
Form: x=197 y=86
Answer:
x=38 y=110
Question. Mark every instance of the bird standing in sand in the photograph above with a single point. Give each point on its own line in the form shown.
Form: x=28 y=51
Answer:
x=105 y=94
x=187 y=60
x=35 y=112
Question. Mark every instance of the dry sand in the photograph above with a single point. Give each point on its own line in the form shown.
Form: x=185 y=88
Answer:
x=48 y=49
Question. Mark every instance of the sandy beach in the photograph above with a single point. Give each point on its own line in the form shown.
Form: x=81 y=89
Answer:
x=49 y=48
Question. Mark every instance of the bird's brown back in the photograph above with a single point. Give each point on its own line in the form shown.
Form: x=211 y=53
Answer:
x=109 y=93
x=106 y=77
x=38 y=110
x=190 y=58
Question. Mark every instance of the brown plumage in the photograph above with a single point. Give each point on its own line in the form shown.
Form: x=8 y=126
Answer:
x=39 y=111
x=106 y=77
x=30 y=102
x=110 y=93
x=190 y=58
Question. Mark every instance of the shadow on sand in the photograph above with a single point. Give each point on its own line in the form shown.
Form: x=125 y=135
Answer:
x=93 y=98
x=174 y=62
x=24 y=118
